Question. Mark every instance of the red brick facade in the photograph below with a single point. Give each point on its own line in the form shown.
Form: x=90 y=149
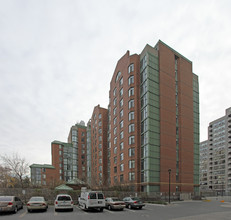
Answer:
x=99 y=126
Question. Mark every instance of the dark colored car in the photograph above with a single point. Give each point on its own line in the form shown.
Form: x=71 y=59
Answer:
x=133 y=202
x=10 y=204
x=114 y=203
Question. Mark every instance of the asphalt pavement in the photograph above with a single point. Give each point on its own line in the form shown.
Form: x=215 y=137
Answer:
x=190 y=210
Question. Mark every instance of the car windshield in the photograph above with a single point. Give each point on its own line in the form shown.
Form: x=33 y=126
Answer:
x=6 y=198
x=115 y=199
x=37 y=199
x=64 y=198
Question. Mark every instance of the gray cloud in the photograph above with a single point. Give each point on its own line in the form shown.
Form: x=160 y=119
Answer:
x=57 y=59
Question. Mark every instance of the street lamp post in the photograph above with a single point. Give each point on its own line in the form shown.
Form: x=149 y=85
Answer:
x=169 y=189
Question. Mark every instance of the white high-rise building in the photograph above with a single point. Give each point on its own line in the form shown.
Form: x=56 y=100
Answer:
x=215 y=155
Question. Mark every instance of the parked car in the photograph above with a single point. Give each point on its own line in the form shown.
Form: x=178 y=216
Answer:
x=114 y=203
x=37 y=203
x=91 y=200
x=10 y=204
x=133 y=202
x=63 y=201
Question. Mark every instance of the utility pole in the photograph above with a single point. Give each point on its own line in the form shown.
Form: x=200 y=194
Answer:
x=169 y=189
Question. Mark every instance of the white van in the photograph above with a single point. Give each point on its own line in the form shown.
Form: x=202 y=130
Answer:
x=91 y=200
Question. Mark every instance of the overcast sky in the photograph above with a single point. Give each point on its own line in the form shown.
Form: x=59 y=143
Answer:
x=57 y=58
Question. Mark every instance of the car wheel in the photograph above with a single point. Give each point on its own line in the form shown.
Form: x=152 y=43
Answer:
x=101 y=209
x=129 y=206
x=121 y=209
x=140 y=207
x=72 y=210
x=15 y=209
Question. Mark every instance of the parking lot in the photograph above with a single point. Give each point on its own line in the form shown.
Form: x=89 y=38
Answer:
x=178 y=211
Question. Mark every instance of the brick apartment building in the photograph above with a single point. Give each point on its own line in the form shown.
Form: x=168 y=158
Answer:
x=78 y=137
x=154 y=122
x=43 y=175
x=150 y=130
x=124 y=122
x=99 y=128
x=69 y=160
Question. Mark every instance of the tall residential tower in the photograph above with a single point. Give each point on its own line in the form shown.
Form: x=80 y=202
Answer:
x=154 y=121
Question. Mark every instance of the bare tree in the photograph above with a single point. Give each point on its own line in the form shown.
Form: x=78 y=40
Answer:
x=4 y=176
x=18 y=166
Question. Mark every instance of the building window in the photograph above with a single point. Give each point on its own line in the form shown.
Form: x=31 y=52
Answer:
x=122 y=167
x=115 y=150
x=144 y=88
x=121 y=156
x=144 y=126
x=115 y=130
x=114 y=101
x=131 y=176
x=121 y=135
x=131 y=164
x=131 y=140
x=100 y=116
x=115 y=120
x=131 y=152
x=121 y=145
x=131 y=68
x=144 y=100
x=121 y=124
x=131 y=128
x=114 y=91
x=121 y=102
x=130 y=80
x=115 y=140
x=144 y=76
x=131 y=92
x=121 y=113
x=114 y=111
x=121 y=92
x=121 y=178
x=144 y=113
x=100 y=161
x=115 y=169
x=118 y=76
x=131 y=116
x=121 y=81
x=131 y=103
